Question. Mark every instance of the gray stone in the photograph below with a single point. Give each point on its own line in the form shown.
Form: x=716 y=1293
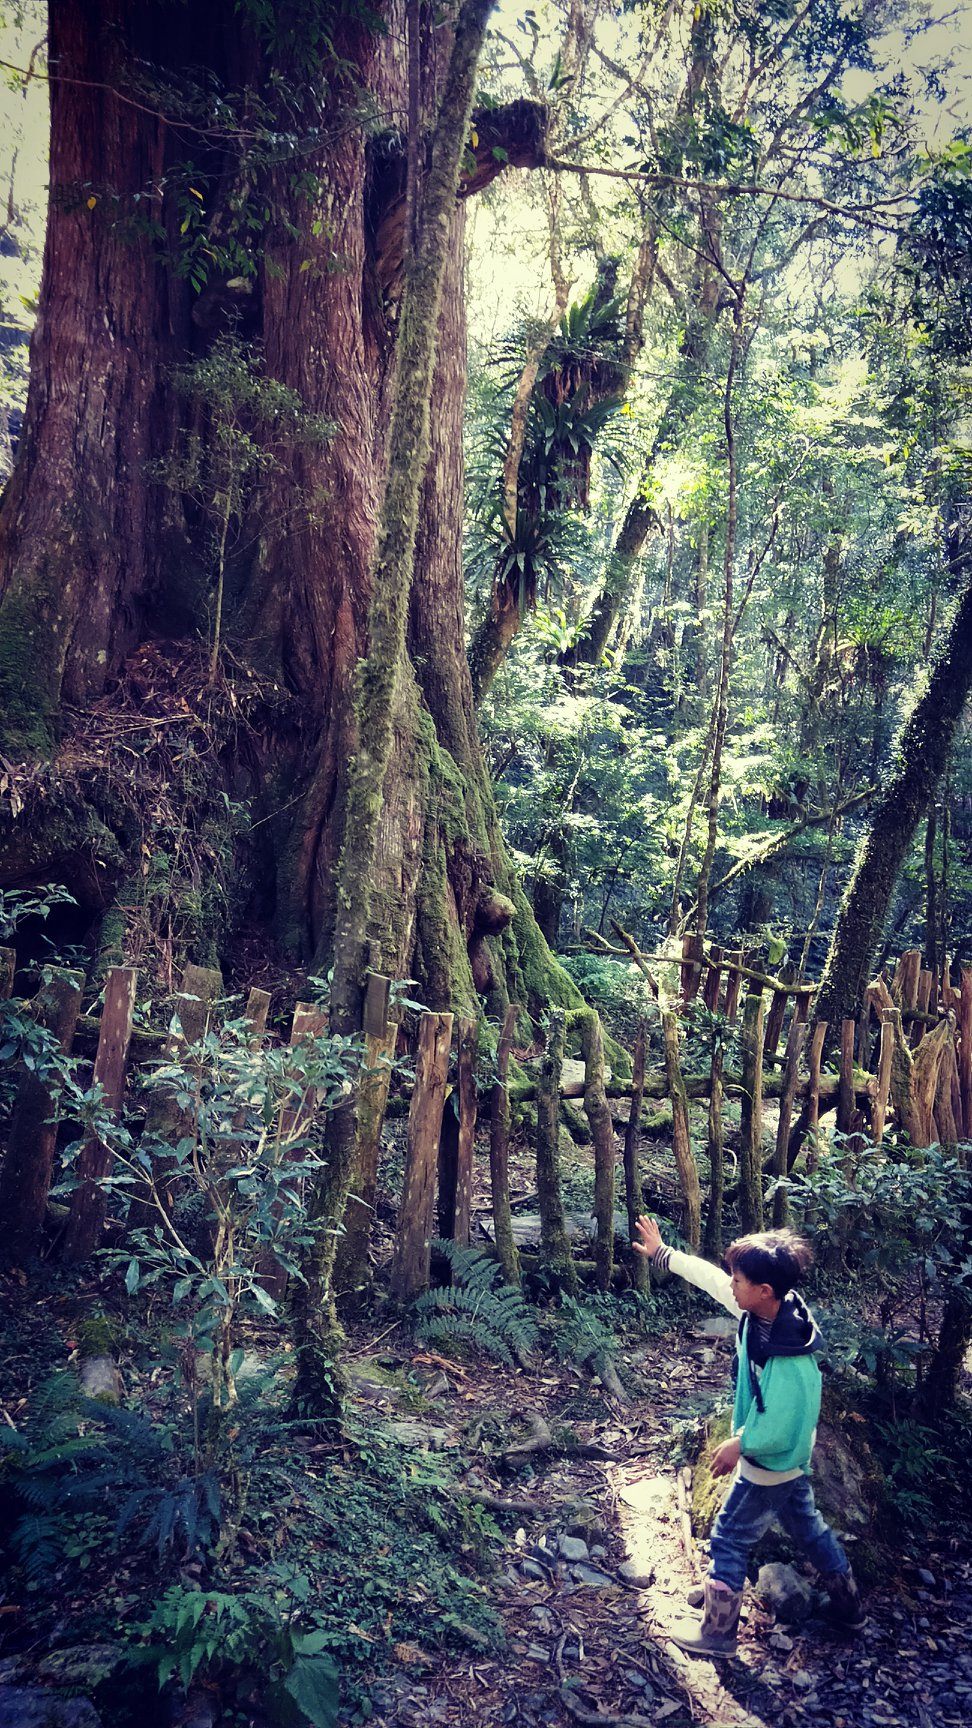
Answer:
x=81 y=1666
x=101 y=1380
x=573 y=1548
x=590 y=1576
x=717 y=1326
x=780 y=1641
x=927 y=1577
x=841 y=1483
x=633 y=1573
x=802 y=1679
x=34 y=1707
x=780 y=1588
x=533 y=1569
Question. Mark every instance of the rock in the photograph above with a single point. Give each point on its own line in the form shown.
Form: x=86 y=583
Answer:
x=846 y=1478
x=780 y=1641
x=81 y=1666
x=533 y=1569
x=101 y=1380
x=717 y=1326
x=598 y=1552
x=780 y=1588
x=574 y=1548
x=634 y=1574
x=409 y=1432
x=590 y=1576
x=926 y=1577
x=802 y=1679
x=34 y=1707
x=439 y=1387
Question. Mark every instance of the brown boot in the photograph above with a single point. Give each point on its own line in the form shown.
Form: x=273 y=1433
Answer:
x=845 y=1599
x=715 y=1634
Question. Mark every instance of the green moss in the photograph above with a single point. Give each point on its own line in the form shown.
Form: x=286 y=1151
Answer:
x=99 y=1335
x=708 y=1491
x=31 y=662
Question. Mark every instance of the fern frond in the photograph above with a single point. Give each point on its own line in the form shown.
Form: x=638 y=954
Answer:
x=450 y=1328
x=477 y=1307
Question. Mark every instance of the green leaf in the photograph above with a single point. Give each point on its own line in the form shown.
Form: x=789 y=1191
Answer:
x=266 y=1301
x=313 y=1684
x=132 y=1276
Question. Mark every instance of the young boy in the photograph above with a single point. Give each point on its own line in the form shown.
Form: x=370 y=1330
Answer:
x=774 y=1423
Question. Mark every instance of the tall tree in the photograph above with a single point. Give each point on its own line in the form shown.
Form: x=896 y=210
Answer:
x=234 y=177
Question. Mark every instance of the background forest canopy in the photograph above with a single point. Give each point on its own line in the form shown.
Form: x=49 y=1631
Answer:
x=713 y=529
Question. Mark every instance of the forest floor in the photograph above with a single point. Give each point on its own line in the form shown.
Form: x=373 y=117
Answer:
x=587 y=1644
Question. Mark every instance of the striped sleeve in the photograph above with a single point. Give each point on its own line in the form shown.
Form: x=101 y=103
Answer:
x=701 y=1273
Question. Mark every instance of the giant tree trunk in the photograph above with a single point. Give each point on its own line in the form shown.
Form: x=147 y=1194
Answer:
x=103 y=570
x=918 y=761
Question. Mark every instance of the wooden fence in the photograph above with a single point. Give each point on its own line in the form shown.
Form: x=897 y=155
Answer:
x=907 y=1058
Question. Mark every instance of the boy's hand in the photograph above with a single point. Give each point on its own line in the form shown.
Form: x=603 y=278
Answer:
x=649 y=1236
x=726 y=1457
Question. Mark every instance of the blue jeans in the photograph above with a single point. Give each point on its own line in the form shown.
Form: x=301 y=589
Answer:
x=749 y=1511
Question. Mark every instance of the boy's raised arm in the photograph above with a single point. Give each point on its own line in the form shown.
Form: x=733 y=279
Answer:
x=712 y=1279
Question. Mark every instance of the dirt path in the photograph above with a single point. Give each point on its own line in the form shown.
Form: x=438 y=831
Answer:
x=589 y=1587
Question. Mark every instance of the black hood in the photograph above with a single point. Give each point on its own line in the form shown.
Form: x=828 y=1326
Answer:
x=794 y=1333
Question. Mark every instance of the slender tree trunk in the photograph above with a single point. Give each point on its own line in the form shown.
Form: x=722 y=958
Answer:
x=918 y=762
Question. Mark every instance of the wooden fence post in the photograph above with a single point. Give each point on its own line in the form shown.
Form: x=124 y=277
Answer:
x=791 y=1073
x=638 y=1264
x=715 y=1148
x=598 y=1113
x=410 y=1267
x=733 y=982
x=751 y=1115
x=88 y=1202
x=710 y=988
x=879 y=1112
x=499 y=1149
x=308 y=1022
x=777 y=1012
x=456 y=1143
x=965 y=1048
x=692 y=968
x=381 y=1036
x=255 y=1014
x=846 y=1102
x=28 y=1166
x=810 y=1126
x=554 y=1241
x=468 y=1041
x=688 y=1173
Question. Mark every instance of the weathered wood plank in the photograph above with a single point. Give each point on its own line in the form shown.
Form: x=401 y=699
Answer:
x=410 y=1266
x=25 y=1179
x=86 y=1216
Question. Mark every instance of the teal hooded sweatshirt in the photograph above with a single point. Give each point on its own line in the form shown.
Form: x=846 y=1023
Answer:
x=777 y=1401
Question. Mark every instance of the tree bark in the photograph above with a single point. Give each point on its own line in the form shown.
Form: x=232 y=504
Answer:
x=917 y=764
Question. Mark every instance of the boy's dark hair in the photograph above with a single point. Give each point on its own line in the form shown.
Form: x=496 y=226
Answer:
x=775 y=1257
